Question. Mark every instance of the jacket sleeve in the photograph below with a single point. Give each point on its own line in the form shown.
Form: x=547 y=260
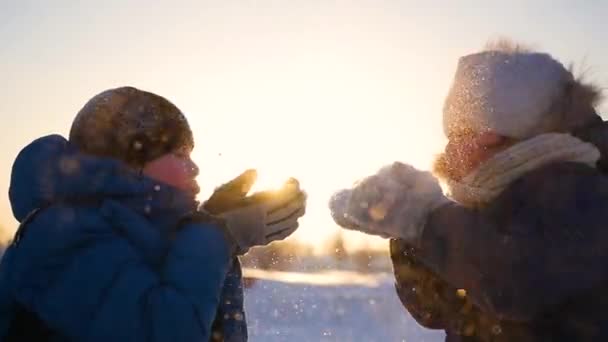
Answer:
x=431 y=301
x=92 y=285
x=420 y=291
x=541 y=242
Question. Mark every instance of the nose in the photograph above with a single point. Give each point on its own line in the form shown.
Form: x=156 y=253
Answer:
x=192 y=168
x=195 y=169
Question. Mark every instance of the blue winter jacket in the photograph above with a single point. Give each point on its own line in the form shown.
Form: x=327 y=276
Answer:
x=89 y=280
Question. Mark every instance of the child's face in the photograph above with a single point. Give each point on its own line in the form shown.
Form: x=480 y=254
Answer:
x=468 y=151
x=176 y=169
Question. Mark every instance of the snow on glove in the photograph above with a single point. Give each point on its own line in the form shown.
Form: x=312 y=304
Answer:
x=267 y=216
x=395 y=202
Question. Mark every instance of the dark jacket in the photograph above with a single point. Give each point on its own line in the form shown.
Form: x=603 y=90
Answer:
x=530 y=266
x=85 y=279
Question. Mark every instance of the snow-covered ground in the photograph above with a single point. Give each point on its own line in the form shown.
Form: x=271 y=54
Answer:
x=329 y=306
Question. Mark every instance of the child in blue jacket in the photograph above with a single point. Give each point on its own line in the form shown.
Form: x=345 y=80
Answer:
x=112 y=244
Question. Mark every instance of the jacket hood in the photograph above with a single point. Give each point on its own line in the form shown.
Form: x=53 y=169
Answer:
x=50 y=170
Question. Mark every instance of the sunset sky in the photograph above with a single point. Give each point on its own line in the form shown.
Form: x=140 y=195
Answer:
x=326 y=91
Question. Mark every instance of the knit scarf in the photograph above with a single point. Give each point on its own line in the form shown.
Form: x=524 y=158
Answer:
x=489 y=179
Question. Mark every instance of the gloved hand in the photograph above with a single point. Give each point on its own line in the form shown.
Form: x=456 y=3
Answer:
x=230 y=195
x=395 y=202
x=267 y=216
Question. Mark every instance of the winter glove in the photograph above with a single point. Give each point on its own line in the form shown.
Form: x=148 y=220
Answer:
x=395 y=202
x=264 y=217
x=230 y=195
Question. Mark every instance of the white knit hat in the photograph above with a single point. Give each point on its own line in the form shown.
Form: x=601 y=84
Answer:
x=509 y=93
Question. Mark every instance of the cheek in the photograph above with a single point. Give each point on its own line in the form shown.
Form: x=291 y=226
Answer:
x=174 y=172
x=457 y=154
x=463 y=157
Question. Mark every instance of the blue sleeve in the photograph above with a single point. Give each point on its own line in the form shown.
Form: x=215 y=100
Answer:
x=7 y=307
x=543 y=241
x=92 y=285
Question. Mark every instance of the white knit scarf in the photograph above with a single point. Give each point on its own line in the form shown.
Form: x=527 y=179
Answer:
x=494 y=175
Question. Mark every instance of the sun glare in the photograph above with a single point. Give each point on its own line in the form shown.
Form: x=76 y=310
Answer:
x=269 y=179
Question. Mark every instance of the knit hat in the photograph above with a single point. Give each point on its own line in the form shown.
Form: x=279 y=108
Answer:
x=507 y=92
x=131 y=125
